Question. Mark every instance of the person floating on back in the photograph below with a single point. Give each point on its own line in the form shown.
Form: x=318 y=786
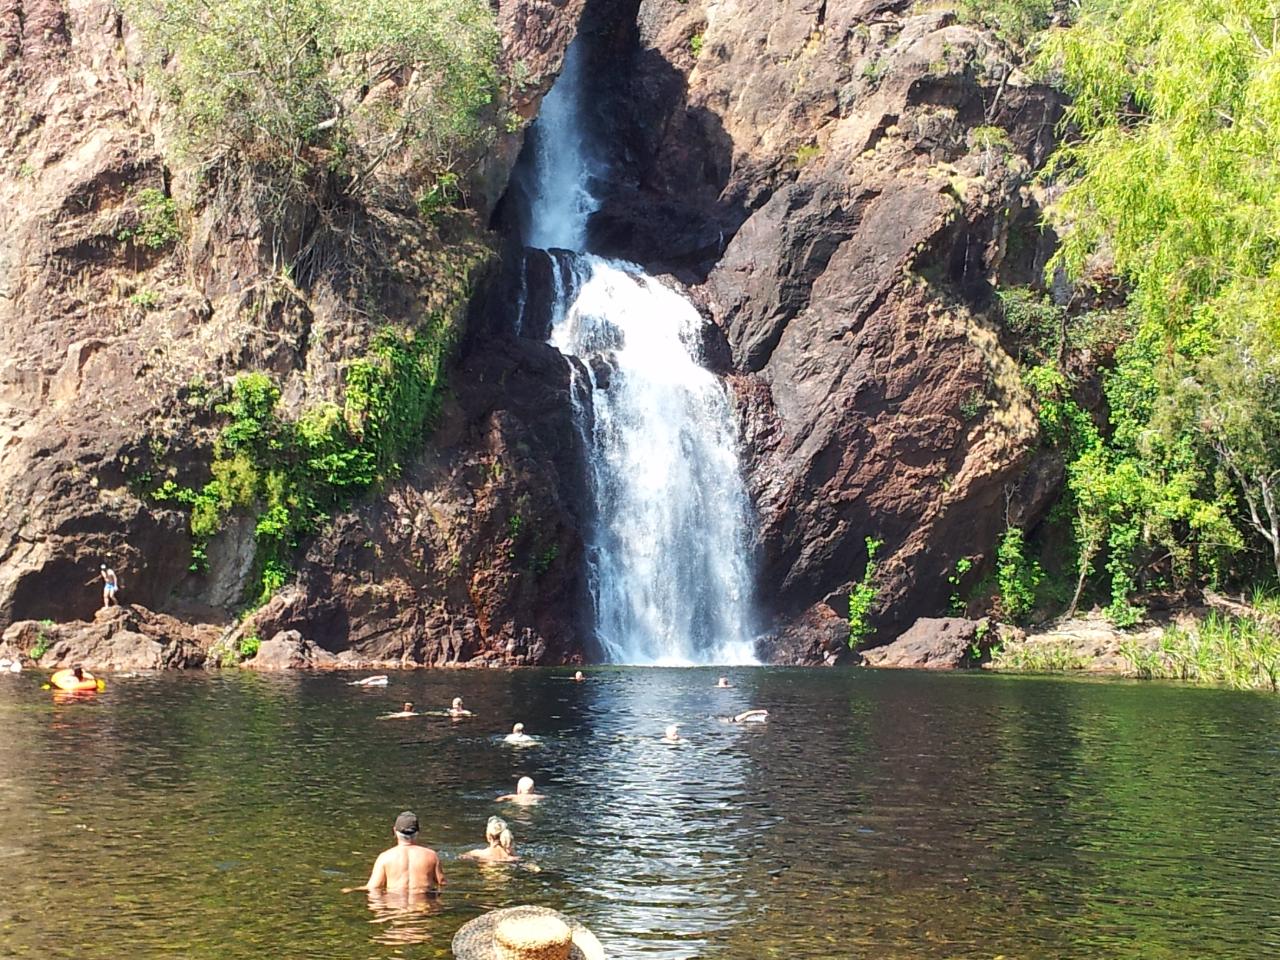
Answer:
x=517 y=735
x=406 y=866
x=501 y=844
x=458 y=710
x=110 y=585
x=750 y=716
x=405 y=711
x=524 y=792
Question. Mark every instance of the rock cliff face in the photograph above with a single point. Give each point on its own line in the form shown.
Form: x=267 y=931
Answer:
x=109 y=350
x=836 y=184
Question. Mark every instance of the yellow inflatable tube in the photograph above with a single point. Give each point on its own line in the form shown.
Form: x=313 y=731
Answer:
x=67 y=680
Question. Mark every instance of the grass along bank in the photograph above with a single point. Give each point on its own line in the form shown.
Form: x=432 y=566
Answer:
x=1238 y=647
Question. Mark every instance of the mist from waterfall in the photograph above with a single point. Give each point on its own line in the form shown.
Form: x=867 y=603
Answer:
x=669 y=551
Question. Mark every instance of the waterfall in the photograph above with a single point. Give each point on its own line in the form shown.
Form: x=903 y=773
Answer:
x=669 y=554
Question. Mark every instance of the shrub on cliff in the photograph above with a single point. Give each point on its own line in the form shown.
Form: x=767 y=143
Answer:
x=324 y=96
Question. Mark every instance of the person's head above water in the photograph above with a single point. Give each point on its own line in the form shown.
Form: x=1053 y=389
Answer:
x=722 y=682
x=517 y=729
x=673 y=732
x=524 y=785
x=78 y=673
x=457 y=703
x=406 y=827
x=408 y=707
x=578 y=676
x=496 y=832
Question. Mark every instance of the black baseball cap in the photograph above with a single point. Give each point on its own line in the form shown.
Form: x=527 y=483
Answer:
x=407 y=823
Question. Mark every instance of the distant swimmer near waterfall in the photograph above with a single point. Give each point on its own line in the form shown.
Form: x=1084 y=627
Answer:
x=405 y=711
x=724 y=684
x=501 y=844
x=406 y=866
x=524 y=792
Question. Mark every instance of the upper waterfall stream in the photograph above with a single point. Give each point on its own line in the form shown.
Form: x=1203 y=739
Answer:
x=669 y=553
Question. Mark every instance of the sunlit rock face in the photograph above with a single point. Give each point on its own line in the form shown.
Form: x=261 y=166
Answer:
x=838 y=183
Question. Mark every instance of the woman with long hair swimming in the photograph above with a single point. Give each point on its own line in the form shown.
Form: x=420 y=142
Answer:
x=502 y=845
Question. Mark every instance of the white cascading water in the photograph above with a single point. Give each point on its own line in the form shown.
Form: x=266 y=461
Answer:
x=669 y=567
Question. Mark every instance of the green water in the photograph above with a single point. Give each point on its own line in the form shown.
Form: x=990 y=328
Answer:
x=885 y=815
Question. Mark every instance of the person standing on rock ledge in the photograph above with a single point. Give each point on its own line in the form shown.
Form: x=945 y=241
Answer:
x=109 y=586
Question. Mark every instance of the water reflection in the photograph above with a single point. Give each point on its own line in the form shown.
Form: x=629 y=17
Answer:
x=404 y=917
x=875 y=815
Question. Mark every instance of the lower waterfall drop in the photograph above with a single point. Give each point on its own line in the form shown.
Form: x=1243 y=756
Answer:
x=670 y=569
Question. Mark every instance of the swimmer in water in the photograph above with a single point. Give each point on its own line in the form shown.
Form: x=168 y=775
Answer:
x=517 y=735
x=723 y=683
x=524 y=792
x=501 y=844
x=673 y=734
x=749 y=716
x=578 y=677
x=406 y=711
x=457 y=709
x=379 y=681
x=406 y=866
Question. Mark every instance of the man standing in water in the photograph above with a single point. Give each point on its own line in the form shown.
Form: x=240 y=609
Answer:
x=406 y=866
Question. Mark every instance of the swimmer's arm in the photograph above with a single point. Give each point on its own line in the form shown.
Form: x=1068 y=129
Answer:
x=439 y=871
x=378 y=878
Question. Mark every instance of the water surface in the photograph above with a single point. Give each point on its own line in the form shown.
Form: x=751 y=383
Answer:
x=885 y=815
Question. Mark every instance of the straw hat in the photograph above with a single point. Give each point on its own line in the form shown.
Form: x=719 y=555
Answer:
x=525 y=933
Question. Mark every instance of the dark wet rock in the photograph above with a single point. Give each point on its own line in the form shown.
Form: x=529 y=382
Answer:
x=819 y=637
x=936 y=643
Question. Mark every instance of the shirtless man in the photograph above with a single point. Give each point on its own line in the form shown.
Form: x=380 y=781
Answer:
x=406 y=866
x=458 y=710
x=524 y=792
x=110 y=584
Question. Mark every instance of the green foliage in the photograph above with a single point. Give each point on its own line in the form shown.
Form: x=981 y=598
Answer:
x=1040 y=657
x=695 y=45
x=157 y=224
x=957 y=603
x=292 y=475
x=445 y=190
x=1016 y=576
x=249 y=646
x=1014 y=21
x=300 y=88
x=145 y=299
x=806 y=154
x=1241 y=652
x=1172 y=185
x=863 y=596
x=42 y=645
